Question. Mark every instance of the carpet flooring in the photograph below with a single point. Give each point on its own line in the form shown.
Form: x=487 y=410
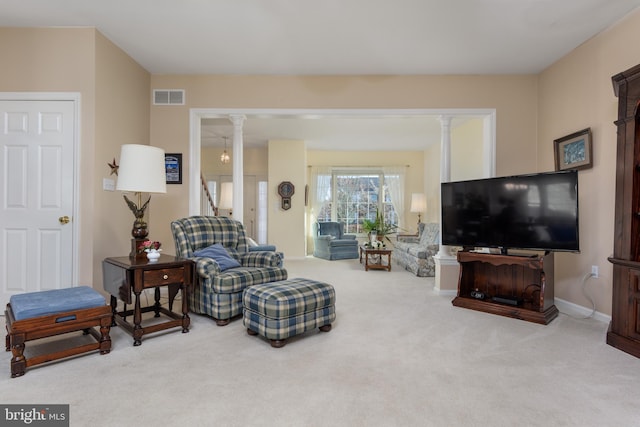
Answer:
x=399 y=354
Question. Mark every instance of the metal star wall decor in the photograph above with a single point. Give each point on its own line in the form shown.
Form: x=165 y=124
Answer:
x=114 y=167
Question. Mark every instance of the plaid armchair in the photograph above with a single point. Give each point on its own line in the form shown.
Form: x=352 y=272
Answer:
x=218 y=293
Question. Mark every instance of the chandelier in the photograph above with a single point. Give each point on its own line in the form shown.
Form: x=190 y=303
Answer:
x=224 y=157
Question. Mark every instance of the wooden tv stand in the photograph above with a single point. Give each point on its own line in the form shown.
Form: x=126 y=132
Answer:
x=529 y=278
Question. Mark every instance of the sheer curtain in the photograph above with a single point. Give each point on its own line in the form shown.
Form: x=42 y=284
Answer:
x=319 y=193
x=394 y=180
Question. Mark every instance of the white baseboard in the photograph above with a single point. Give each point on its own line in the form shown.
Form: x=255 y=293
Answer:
x=572 y=309
x=446 y=292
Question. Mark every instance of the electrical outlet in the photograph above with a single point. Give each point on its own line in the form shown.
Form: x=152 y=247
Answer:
x=108 y=184
x=594 y=271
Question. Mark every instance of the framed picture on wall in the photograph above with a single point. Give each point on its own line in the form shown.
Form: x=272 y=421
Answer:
x=173 y=167
x=574 y=151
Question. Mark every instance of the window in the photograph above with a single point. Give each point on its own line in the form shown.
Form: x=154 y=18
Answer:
x=355 y=196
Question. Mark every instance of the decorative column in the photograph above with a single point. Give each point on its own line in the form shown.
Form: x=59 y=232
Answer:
x=445 y=168
x=238 y=168
x=447 y=268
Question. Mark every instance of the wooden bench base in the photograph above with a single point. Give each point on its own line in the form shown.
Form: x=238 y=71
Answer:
x=21 y=331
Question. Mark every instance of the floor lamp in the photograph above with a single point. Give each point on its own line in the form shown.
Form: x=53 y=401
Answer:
x=141 y=170
x=418 y=205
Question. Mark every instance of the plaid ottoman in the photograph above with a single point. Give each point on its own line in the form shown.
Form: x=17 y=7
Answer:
x=280 y=310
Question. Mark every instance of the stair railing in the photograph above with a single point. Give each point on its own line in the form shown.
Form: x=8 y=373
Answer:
x=207 y=206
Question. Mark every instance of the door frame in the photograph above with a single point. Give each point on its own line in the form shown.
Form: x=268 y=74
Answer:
x=197 y=114
x=74 y=97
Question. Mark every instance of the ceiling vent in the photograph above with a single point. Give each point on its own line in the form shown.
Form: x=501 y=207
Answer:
x=168 y=97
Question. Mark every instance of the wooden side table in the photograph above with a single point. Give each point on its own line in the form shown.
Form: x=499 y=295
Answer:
x=376 y=265
x=123 y=276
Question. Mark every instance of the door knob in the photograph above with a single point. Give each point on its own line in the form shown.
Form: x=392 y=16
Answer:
x=63 y=219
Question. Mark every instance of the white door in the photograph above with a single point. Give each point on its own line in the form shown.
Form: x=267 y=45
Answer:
x=36 y=196
x=249 y=206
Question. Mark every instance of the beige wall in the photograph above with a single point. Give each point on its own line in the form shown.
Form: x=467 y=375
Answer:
x=516 y=124
x=576 y=93
x=122 y=117
x=467 y=150
x=169 y=130
x=514 y=97
x=254 y=162
x=40 y=62
x=113 y=111
x=287 y=162
x=432 y=182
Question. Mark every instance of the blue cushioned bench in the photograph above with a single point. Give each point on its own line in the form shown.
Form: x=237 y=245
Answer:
x=279 y=310
x=36 y=315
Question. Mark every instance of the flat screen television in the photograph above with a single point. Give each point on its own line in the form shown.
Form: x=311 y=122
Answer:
x=537 y=212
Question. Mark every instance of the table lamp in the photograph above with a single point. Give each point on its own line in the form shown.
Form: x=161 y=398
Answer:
x=142 y=170
x=418 y=204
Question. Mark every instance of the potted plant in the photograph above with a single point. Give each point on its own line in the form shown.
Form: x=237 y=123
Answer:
x=384 y=227
x=378 y=226
x=371 y=227
x=151 y=248
x=368 y=226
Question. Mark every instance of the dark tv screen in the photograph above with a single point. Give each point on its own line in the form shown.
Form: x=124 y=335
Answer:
x=538 y=212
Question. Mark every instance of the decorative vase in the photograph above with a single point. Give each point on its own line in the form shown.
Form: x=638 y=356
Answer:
x=153 y=255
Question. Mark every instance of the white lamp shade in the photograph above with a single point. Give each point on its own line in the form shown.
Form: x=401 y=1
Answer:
x=142 y=169
x=418 y=203
x=226 y=195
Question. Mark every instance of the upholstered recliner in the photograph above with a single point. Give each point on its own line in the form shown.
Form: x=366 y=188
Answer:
x=331 y=243
x=416 y=253
x=217 y=292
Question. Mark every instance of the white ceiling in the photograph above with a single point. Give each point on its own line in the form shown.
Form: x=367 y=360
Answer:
x=362 y=133
x=332 y=37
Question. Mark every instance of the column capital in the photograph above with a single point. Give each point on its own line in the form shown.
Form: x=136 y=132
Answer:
x=445 y=120
x=237 y=119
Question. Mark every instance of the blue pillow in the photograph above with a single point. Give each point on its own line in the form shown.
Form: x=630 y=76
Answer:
x=220 y=255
